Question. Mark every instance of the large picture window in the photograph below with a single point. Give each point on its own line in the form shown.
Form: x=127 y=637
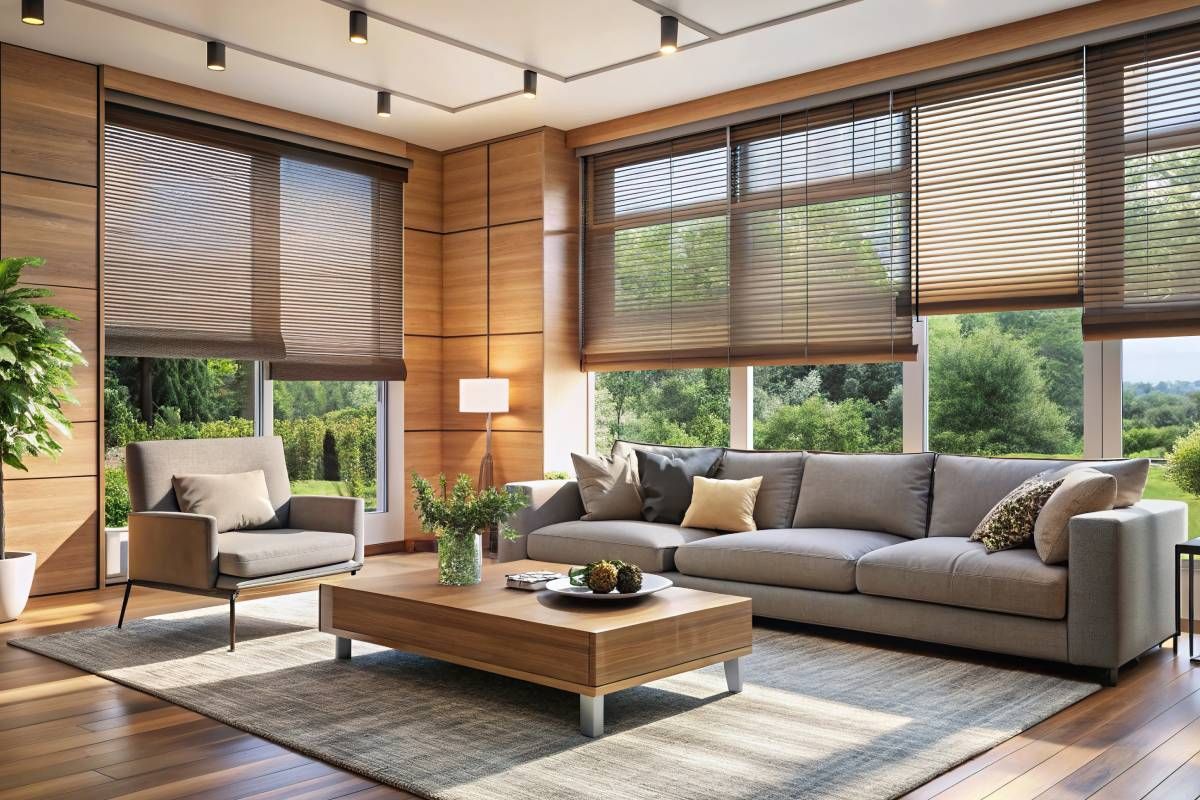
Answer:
x=680 y=407
x=841 y=407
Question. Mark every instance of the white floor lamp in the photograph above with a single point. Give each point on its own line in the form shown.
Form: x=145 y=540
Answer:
x=484 y=396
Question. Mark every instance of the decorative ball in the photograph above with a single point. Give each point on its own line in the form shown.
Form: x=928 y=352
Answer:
x=629 y=579
x=602 y=578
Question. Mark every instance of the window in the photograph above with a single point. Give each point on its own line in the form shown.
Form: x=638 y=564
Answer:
x=330 y=432
x=842 y=407
x=1006 y=383
x=680 y=407
x=169 y=398
x=1161 y=401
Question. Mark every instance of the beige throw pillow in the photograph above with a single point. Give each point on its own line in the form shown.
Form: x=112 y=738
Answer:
x=722 y=505
x=239 y=500
x=609 y=486
x=1081 y=492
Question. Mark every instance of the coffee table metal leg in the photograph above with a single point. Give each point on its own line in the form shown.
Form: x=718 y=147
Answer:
x=733 y=674
x=341 y=647
x=591 y=715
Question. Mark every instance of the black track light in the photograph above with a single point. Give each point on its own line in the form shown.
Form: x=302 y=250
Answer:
x=216 y=56
x=668 y=38
x=530 y=89
x=383 y=104
x=358 y=27
x=33 y=12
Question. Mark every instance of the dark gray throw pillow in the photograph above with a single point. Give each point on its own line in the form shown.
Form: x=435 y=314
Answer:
x=667 y=481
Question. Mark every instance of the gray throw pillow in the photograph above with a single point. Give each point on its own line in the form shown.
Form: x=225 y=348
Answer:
x=608 y=486
x=238 y=500
x=667 y=481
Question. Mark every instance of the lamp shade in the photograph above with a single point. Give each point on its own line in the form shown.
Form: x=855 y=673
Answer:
x=483 y=395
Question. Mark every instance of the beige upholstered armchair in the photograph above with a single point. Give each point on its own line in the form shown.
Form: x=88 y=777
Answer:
x=168 y=549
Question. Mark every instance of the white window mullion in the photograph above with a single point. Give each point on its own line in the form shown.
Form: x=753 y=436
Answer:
x=916 y=392
x=1102 y=402
x=741 y=408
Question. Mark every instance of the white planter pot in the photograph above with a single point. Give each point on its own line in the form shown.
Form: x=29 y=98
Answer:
x=116 y=544
x=16 y=578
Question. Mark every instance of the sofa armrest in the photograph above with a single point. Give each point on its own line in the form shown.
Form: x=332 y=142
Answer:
x=1121 y=581
x=173 y=547
x=546 y=502
x=328 y=513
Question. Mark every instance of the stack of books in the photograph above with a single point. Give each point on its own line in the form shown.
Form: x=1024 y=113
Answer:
x=532 y=581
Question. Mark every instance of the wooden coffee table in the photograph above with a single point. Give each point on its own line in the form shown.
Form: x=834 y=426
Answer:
x=591 y=649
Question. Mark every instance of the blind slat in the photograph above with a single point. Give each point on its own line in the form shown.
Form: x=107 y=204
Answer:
x=221 y=244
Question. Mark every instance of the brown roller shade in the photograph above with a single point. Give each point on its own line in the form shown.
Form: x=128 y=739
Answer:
x=819 y=236
x=1142 y=276
x=224 y=244
x=999 y=185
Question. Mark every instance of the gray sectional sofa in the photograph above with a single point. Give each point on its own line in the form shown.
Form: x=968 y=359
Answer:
x=878 y=543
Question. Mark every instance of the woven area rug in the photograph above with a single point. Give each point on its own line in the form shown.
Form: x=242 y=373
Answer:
x=819 y=718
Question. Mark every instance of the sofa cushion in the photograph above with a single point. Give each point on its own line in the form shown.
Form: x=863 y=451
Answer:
x=1010 y=523
x=649 y=545
x=965 y=488
x=781 y=473
x=1131 y=475
x=254 y=554
x=667 y=482
x=813 y=558
x=866 y=491
x=953 y=571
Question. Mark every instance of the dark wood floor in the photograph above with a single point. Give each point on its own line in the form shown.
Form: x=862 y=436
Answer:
x=64 y=733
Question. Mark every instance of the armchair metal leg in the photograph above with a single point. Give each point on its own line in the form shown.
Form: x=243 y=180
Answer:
x=124 y=603
x=232 y=621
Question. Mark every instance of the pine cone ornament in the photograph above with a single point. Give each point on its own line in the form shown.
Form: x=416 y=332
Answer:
x=629 y=579
x=602 y=577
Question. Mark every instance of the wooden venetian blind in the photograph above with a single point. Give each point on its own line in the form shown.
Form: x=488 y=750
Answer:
x=999 y=186
x=783 y=241
x=819 y=236
x=1142 y=276
x=656 y=273
x=224 y=244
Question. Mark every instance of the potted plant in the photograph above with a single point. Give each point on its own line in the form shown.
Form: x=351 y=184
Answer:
x=458 y=517
x=35 y=377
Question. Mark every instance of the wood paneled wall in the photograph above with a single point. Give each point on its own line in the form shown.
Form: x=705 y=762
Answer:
x=49 y=207
x=509 y=309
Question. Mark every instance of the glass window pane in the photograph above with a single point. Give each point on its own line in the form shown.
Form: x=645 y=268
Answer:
x=842 y=407
x=1008 y=383
x=330 y=437
x=680 y=407
x=169 y=398
x=1161 y=402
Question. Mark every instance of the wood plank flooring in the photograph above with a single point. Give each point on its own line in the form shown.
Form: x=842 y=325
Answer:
x=64 y=733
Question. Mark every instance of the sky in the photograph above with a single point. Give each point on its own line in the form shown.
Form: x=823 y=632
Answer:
x=1154 y=360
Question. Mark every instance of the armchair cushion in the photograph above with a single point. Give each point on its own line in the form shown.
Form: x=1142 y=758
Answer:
x=237 y=500
x=173 y=547
x=253 y=554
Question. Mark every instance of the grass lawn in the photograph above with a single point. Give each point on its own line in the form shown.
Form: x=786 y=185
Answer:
x=336 y=488
x=1159 y=488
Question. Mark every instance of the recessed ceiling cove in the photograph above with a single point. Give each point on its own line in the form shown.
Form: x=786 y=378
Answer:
x=455 y=69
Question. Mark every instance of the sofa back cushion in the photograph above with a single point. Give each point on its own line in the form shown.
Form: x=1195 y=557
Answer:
x=781 y=473
x=866 y=491
x=965 y=488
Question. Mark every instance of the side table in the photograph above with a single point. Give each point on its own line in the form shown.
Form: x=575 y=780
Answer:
x=1191 y=549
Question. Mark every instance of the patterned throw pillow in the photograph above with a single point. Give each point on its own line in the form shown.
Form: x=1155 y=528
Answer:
x=1010 y=523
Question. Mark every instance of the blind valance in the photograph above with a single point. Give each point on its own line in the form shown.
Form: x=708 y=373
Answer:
x=1142 y=275
x=219 y=243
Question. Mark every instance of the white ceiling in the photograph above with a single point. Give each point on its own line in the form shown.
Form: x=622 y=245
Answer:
x=563 y=36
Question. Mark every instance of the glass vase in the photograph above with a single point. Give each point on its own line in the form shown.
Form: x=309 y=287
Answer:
x=460 y=558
